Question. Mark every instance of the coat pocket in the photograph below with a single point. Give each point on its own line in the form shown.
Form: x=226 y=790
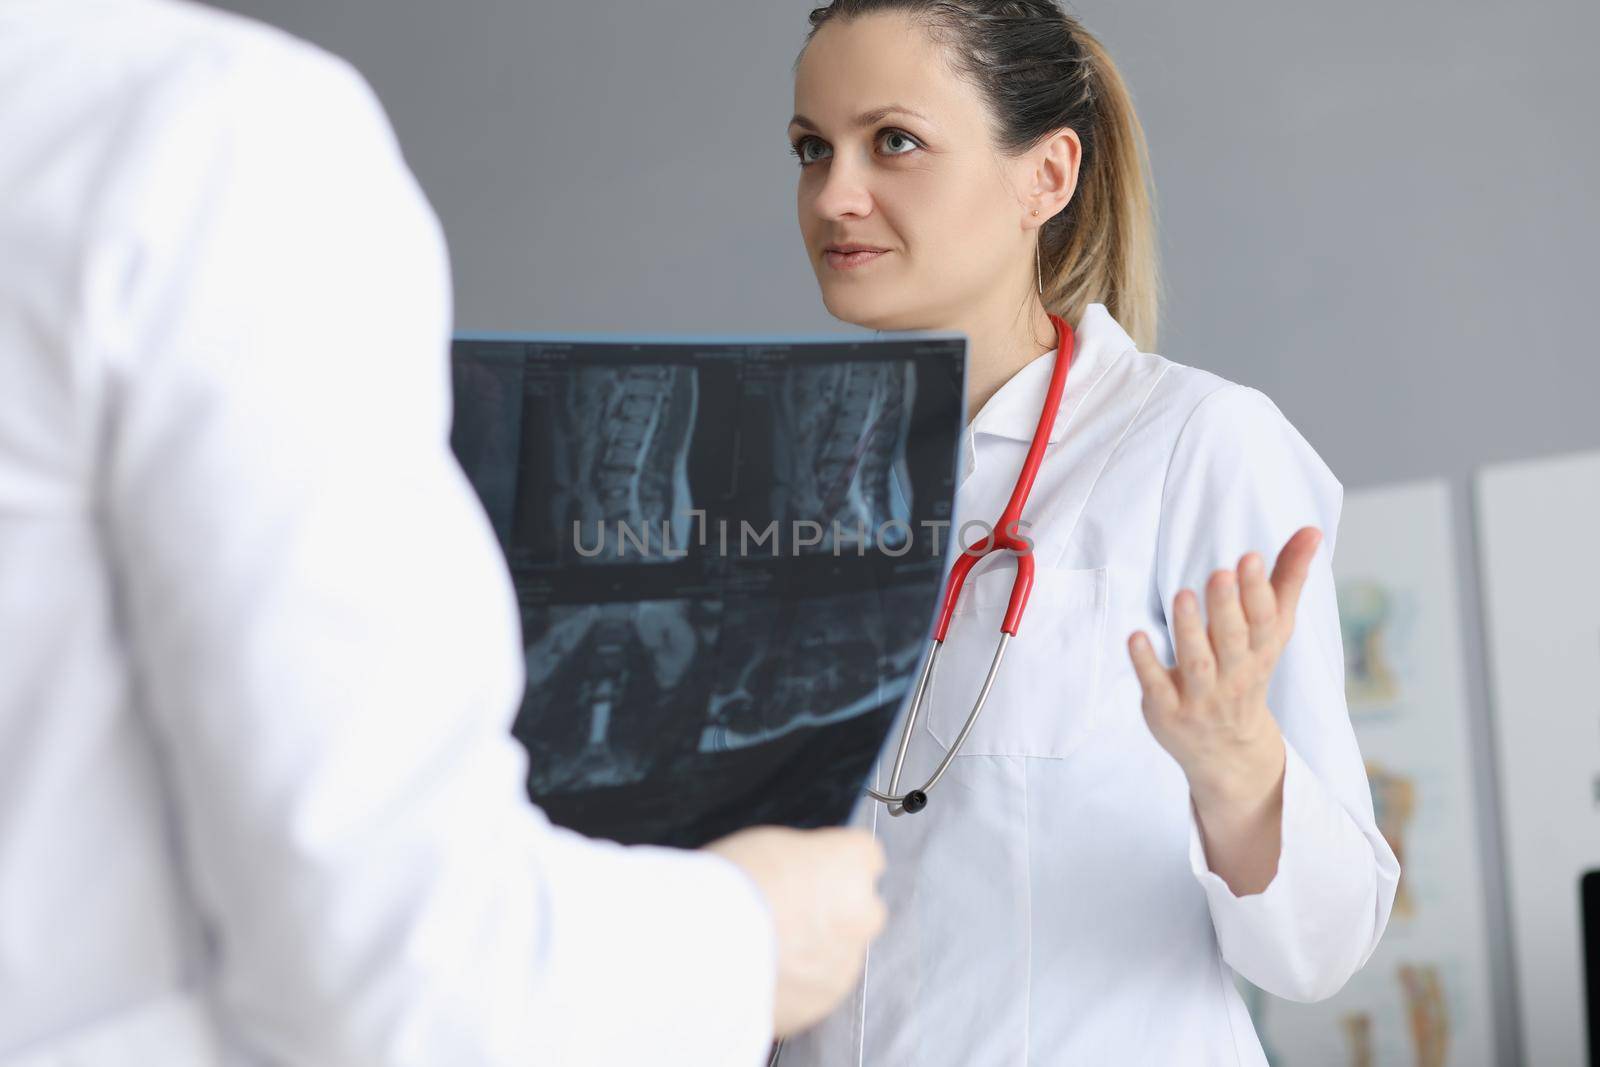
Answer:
x=1045 y=696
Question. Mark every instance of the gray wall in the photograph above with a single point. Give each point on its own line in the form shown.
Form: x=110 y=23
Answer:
x=1381 y=214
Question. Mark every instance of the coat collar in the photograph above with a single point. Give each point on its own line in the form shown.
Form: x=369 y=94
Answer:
x=1013 y=411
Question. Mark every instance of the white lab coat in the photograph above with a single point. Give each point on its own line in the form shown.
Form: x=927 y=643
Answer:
x=1052 y=905
x=258 y=801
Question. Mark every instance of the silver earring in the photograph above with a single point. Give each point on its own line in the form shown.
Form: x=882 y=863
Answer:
x=1036 y=263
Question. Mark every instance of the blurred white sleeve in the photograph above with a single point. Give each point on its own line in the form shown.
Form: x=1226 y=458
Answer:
x=1242 y=478
x=324 y=636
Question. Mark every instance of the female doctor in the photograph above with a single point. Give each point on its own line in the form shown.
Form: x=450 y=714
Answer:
x=1115 y=836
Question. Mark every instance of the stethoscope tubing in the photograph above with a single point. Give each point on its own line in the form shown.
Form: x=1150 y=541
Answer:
x=1005 y=539
x=918 y=797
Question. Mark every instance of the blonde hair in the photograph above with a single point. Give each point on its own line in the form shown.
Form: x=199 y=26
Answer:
x=1040 y=70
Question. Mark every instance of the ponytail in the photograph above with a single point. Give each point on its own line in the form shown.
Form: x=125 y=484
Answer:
x=1103 y=248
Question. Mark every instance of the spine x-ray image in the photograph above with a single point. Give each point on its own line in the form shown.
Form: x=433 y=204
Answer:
x=726 y=555
x=618 y=449
x=840 y=440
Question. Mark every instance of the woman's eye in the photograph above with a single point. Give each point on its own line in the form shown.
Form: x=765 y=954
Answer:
x=800 y=149
x=895 y=135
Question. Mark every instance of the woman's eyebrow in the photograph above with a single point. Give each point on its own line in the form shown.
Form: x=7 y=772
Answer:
x=866 y=118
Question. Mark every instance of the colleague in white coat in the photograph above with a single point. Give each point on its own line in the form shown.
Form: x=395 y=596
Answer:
x=258 y=652
x=1117 y=837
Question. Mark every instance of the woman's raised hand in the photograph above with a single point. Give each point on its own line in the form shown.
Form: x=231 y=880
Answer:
x=1210 y=710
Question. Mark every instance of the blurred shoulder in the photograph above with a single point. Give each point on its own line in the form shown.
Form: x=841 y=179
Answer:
x=114 y=60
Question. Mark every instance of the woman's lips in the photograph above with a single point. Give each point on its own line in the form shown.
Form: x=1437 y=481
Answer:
x=851 y=260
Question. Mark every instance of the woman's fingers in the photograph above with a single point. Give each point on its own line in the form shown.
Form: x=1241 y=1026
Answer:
x=1246 y=613
x=1260 y=601
x=1197 y=666
x=1226 y=622
x=1160 y=695
x=1289 y=574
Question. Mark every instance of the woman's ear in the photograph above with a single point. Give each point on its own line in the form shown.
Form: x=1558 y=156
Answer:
x=1055 y=163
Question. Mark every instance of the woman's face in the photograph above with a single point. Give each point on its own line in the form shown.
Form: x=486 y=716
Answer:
x=897 y=154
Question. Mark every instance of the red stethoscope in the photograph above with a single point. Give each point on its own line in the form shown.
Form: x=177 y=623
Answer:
x=1003 y=538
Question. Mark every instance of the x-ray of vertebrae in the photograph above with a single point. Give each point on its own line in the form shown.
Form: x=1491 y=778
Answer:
x=621 y=462
x=601 y=678
x=839 y=440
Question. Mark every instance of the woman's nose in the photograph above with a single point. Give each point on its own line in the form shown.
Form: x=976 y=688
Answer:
x=843 y=193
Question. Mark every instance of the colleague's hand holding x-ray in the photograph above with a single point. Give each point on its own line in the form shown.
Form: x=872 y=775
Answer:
x=820 y=885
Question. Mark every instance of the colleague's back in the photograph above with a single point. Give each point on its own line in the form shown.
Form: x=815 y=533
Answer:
x=258 y=802
x=91 y=919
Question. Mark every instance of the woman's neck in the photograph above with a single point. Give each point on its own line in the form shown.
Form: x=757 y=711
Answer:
x=1002 y=340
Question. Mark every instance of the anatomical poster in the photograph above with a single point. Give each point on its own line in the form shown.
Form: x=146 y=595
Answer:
x=726 y=554
x=1423 y=999
x=1539 y=536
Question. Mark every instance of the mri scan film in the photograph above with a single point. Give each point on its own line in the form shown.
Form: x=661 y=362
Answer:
x=726 y=555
